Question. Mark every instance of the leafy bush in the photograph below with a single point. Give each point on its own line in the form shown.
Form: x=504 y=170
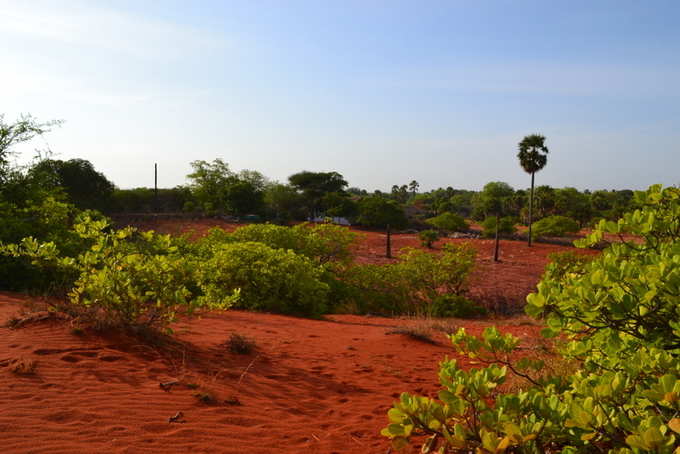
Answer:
x=449 y=222
x=268 y=279
x=320 y=242
x=456 y=306
x=412 y=285
x=129 y=278
x=375 y=289
x=428 y=237
x=562 y=263
x=620 y=318
x=554 y=226
x=47 y=220
x=506 y=226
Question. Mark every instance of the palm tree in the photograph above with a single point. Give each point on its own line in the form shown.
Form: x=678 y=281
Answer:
x=532 y=157
x=413 y=186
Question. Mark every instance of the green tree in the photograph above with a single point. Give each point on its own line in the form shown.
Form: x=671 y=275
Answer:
x=379 y=212
x=572 y=203
x=283 y=203
x=22 y=130
x=85 y=187
x=339 y=204
x=314 y=185
x=494 y=199
x=532 y=157
x=218 y=189
x=413 y=187
x=209 y=183
x=400 y=193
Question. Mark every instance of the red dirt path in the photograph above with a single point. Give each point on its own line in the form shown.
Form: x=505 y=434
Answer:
x=311 y=386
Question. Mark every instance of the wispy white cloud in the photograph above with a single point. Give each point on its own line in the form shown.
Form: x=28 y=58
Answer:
x=88 y=25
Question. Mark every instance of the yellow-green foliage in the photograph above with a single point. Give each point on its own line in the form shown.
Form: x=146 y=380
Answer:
x=450 y=222
x=267 y=279
x=620 y=317
x=554 y=226
x=320 y=242
x=134 y=278
x=413 y=284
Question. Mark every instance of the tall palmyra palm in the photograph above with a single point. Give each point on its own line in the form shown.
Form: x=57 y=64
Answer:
x=532 y=157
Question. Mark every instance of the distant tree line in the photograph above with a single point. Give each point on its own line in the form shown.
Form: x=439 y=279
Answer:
x=214 y=188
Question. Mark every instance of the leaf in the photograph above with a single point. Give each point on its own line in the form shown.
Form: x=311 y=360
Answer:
x=674 y=425
x=395 y=415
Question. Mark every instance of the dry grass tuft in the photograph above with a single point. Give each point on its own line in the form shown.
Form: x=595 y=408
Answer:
x=414 y=332
x=241 y=345
x=23 y=366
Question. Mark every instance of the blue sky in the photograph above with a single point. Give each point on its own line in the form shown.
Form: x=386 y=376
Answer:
x=381 y=91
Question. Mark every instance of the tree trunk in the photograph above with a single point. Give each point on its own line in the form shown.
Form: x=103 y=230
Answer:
x=388 y=245
x=531 y=206
x=495 y=249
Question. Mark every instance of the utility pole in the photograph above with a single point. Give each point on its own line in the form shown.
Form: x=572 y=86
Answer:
x=155 y=186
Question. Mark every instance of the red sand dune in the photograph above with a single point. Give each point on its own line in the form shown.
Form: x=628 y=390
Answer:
x=311 y=386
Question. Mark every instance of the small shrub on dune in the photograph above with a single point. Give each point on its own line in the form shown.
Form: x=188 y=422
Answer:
x=240 y=344
x=554 y=226
x=506 y=226
x=322 y=243
x=419 y=333
x=449 y=222
x=126 y=277
x=412 y=285
x=266 y=279
x=428 y=238
x=456 y=306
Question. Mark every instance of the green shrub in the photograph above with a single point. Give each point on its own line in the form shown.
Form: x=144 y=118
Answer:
x=616 y=316
x=563 y=263
x=47 y=220
x=268 y=279
x=449 y=222
x=554 y=226
x=375 y=289
x=320 y=242
x=506 y=226
x=456 y=306
x=428 y=237
x=412 y=285
x=126 y=277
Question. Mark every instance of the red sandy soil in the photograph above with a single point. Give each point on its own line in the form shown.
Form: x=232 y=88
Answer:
x=313 y=386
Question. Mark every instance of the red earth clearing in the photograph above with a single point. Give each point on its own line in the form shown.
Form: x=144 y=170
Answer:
x=312 y=386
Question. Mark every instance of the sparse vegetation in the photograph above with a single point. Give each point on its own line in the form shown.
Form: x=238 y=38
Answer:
x=428 y=238
x=240 y=344
x=619 y=317
x=449 y=222
x=23 y=366
x=555 y=226
x=418 y=333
